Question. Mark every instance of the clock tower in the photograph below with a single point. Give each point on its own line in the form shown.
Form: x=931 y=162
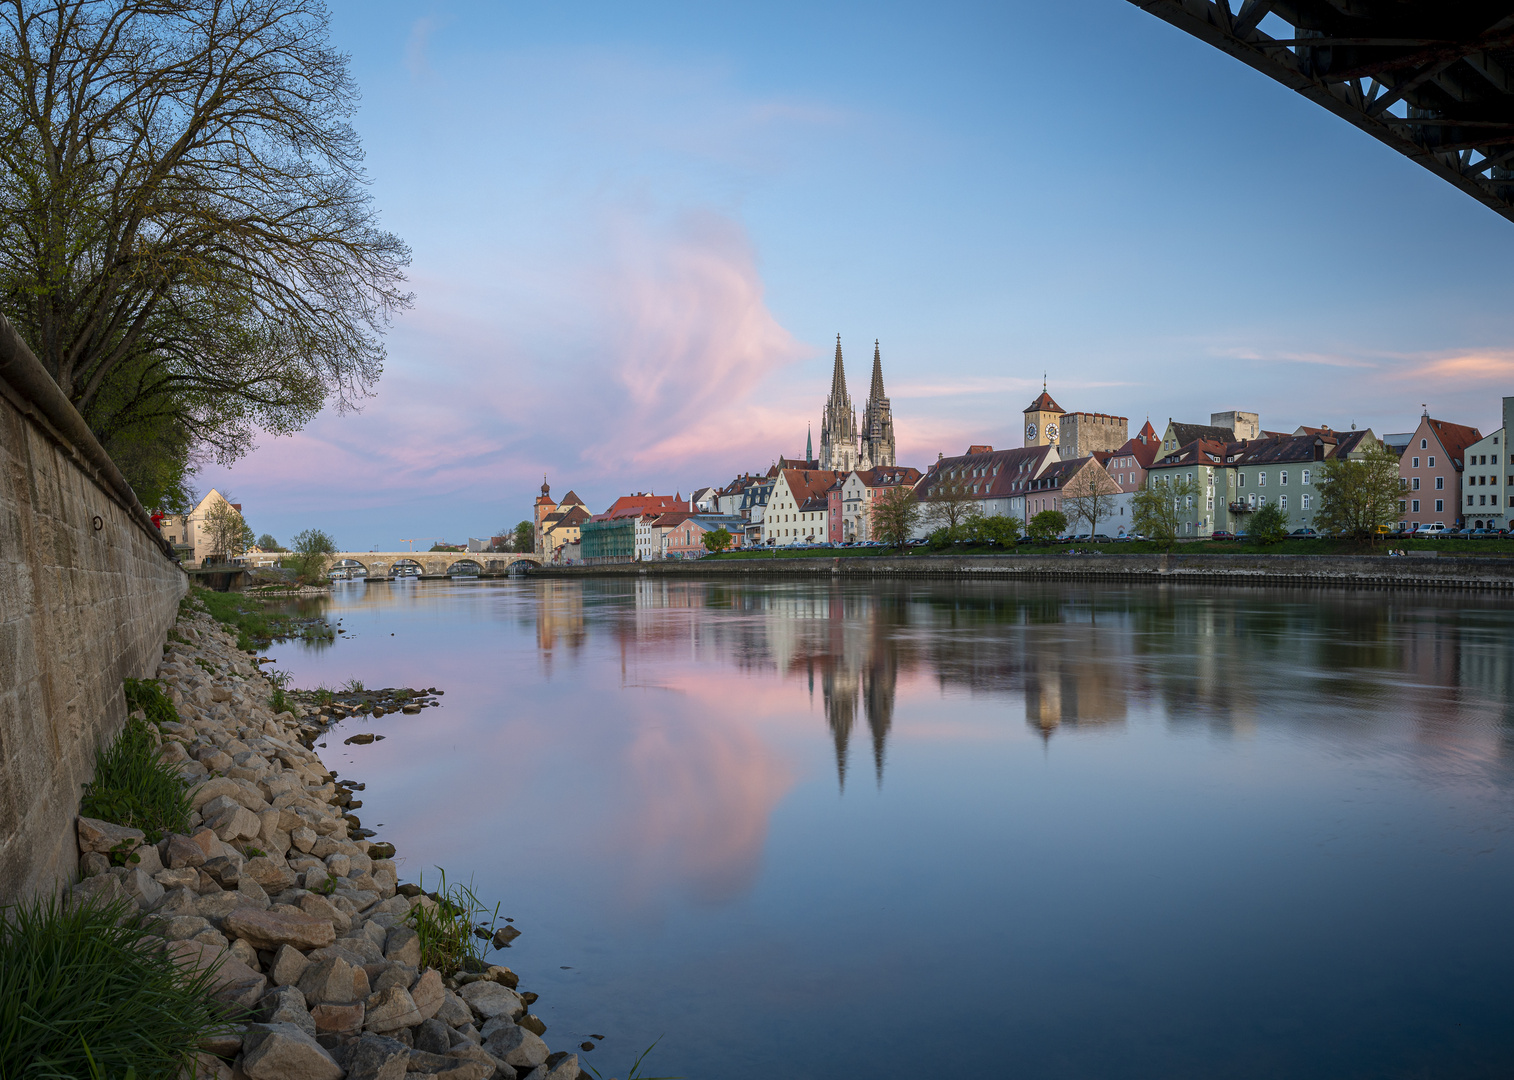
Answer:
x=1043 y=418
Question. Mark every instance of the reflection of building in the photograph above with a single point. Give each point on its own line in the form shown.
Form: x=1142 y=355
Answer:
x=1071 y=684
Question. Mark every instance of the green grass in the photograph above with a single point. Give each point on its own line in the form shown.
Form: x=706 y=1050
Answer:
x=132 y=785
x=257 y=627
x=635 y=1073
x=446 y=932
x=83 y=993
x=279 y=702
x=353 y=686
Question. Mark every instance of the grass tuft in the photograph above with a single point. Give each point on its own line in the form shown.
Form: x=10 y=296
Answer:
x=448 y=942
x=635 y=1073
x=353 y=686
x=132 y=785
x=85 y=992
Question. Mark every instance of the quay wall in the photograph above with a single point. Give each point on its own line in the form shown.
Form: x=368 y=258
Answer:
x=88 y=590
x=1435 y=570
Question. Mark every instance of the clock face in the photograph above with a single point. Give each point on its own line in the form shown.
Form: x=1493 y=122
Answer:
x=1051 y=432
x=1030 y=431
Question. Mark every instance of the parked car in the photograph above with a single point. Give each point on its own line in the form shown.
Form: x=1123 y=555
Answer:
x=1306 y=534
x=1486 y=534
x=1222 y=534
x=1436 y=529
x=1100 y=538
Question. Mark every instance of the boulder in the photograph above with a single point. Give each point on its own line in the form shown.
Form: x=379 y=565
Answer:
x=433 y=1037
x=183 y=878
x=285 y=1052
x=285 y=1005
x=223 y=870
x=454 y=1011
x=335 y=980
x=92 y=864
x=142 y=888
x=533 y=1023
x=272 y=877
x=490 y=999
x=233 y=981
x=102 y=889
x=558 y=1066
x=390 y=1010
x=516 y=1046
x=182 y=927
x=269 y=930
x=102 y=836
x=178 y=902
x=302 y=838
x=287 y=967
x=182 y=852
x=403 y=946
x=344 y=1018
x=236 y=823
x=392 y=975
x=319 y=907
x=374 y=1057
x=427 y=993
x=241 y=791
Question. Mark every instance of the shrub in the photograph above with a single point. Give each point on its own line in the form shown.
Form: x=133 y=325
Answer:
x=1268 y=525
x=85 y=992
x=1047 y=526
x=448 y=941
x=132 y=785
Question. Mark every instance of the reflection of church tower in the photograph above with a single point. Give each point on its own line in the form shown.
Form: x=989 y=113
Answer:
x=877 y=422
x=839 y=689
x=838 y=426
x=879 y=682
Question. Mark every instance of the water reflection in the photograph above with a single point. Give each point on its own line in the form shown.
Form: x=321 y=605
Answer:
x=1071 y=657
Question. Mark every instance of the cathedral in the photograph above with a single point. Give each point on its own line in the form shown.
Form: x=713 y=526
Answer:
x=842 y=446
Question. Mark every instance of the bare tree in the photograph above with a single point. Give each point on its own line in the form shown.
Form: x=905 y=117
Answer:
x=226 y=531
x=186 y=236
x=948 y=501
x=1090 y=496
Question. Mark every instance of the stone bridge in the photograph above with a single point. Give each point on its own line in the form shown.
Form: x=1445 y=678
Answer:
x=435 y=564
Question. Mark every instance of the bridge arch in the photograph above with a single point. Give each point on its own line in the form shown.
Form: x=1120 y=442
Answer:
x=433 y=564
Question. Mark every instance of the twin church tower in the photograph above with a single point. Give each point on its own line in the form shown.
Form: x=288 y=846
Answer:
x=844 y=448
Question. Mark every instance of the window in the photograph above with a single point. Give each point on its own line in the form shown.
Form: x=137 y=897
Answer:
x=1261 y=479
x=1282 y=502
x=1414 y=483
x=1282 y=477
x=1440 y=505
x=1430 y=461
x=1482 y=500
x=1307 y=502
x=1240 y=480
x=1440 y=483
x=1416 y=463
x=1423 y=444
x=1304 y=480
x=1470 y=500
x=1415 y=508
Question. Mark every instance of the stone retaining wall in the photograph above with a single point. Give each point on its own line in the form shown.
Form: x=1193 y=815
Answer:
x=1432 y=570
x=88 y=590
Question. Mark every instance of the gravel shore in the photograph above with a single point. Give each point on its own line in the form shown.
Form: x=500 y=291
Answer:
x=320 y=961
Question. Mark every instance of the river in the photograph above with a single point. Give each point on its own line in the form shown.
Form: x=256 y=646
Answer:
x=1052 y=830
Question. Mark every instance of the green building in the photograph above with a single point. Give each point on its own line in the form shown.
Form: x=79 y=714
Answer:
x=608 y=541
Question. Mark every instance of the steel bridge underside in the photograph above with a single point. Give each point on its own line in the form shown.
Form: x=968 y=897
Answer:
x=1434 y=79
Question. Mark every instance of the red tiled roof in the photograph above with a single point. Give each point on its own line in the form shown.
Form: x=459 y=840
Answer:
x=1455 y=438
x=1044 y=404
x=636 y=505
x=1014 y=469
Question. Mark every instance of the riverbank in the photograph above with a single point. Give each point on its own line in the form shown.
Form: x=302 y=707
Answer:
x=328 y=965
x=1417 y=570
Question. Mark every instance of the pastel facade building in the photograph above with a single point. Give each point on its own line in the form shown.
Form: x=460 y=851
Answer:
x=1430 y=473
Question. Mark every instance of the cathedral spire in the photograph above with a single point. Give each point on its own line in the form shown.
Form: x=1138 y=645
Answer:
x=809 y=445
x=876 y=393
x=838 y=376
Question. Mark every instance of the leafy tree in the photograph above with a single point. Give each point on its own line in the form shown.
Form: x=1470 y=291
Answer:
x=1156 y=511
x=1047 y=526
x=1358 y=495
x=997 y=529
x=1269 y=524
x=525 y=537
x=894 y=515
x=268 y=543
x=187 y=239
x=1090 y=496
x=717 y=540
x=312 y=550
x=226 y=532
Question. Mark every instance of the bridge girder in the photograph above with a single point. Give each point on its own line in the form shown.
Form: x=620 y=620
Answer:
x=1433 y=79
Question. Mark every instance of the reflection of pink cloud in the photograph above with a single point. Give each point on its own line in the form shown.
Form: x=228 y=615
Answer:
x=703 y=789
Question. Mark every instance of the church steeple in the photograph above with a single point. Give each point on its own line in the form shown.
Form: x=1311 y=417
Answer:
x=809 y=445
x=838 y=427
x=877 y=449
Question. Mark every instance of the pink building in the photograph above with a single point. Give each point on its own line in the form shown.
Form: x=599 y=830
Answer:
x=1430 y=472
x=686 y=539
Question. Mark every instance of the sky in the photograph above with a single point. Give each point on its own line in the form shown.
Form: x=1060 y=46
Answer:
x=638 y=229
